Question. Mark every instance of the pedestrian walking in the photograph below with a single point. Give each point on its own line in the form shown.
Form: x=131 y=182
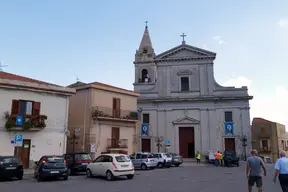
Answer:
x=254 y=171
x=281 y=171
x=217 y=158
x=198 y=157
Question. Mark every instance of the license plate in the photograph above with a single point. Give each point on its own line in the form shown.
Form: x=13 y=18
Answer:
x=54 y=172
x=10 y=168
x=124 y=165
x=84 y=163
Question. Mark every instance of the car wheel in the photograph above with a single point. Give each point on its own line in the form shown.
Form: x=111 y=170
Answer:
x=143 y=166
x=65 y=178
x=130 y=176
x=89 y=173
x=177 y=165
x=160 y=165
x=20 y=177
x=109 y=176
x=237 y=164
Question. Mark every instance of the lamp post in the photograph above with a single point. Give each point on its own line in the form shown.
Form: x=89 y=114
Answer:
x=159 y=141
x=244 y=140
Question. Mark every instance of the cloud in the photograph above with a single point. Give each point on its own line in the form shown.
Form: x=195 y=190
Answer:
x=273 y=107
x=218 y=40
x=283 y=22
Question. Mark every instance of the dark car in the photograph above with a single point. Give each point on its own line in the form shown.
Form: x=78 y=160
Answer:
x=10 y=167
x=77 y=162
x=51 y=166
x=176 y=159
x=230 y=158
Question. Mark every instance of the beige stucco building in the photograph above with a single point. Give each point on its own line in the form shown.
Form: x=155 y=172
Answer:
x=269 y=138
x=102 y=118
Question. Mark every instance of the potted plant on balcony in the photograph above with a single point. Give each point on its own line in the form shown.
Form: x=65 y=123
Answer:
x=134 y=115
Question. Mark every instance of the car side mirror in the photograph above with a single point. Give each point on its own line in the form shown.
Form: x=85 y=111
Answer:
x=36 y=162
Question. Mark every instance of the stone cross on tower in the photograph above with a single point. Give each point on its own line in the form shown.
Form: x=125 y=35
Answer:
x=183 y=38
x=146 y=24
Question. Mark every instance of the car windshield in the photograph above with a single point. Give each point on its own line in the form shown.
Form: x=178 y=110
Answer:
x=54 y=159
x=83 y=156
x=122 y=158
x=8 y=160
x=167 y=155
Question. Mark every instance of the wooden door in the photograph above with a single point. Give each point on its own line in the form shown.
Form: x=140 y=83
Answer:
x=230 y=144
x=25 y=153
x=115 y=137
x=186 y=142
x=116 y=107
x=146 y=145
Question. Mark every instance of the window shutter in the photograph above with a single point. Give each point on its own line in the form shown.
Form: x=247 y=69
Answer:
x=15 y=107
x=36 y=108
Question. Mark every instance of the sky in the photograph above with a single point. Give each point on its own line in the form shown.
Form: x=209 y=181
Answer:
x=58 y=41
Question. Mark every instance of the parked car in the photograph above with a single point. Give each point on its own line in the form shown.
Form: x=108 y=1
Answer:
x=77 y=162
x=230 y=158
x=51 y=166
x=10 y=167
x=143 y=160
x=164 y=160
x=176 y=159
x=111 y=166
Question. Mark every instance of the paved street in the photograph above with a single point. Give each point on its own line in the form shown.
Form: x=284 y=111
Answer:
x=185 y=178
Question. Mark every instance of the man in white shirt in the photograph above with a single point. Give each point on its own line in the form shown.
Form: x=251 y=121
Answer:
x=281 y=170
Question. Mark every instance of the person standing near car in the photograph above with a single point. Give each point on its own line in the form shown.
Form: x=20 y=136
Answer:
x=281 y=171
x=198 y=157
x=217 y=158
x=254 y=171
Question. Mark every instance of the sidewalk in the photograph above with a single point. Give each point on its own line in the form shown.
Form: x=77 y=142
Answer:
x=28 y=171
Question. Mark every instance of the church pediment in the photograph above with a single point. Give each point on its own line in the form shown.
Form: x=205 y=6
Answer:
x=186 y=120
x=185 y=51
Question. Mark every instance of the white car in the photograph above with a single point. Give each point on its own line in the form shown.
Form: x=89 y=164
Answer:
x=111 y=166
x=164 y=160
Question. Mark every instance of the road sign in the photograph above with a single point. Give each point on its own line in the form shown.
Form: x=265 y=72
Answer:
x=93 y=148
x=18 y=140
x=168 y=142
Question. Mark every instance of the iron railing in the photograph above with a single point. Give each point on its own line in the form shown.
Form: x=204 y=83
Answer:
x=98 y=111
x=117 y=143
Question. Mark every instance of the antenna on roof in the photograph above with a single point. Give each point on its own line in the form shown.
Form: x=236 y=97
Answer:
x=77 y=79
x=1 y=66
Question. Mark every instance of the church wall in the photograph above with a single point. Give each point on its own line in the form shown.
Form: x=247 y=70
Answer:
x=211 y=129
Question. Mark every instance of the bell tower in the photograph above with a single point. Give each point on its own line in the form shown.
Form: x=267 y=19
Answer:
x=145 y=68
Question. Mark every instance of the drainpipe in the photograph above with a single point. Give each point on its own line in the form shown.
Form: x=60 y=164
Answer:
x=84 y=126
x=66 y=125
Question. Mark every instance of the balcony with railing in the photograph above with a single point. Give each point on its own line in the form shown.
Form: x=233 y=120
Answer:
x=117 y=114
x=265 y=149
x=117 y=143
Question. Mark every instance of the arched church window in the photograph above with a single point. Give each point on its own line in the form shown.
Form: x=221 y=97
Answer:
x=144 y=75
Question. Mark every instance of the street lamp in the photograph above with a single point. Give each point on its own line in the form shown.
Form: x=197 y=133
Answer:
x=244 y=140
x=159 y=141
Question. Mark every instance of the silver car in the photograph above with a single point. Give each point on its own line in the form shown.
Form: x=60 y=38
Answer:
x=143 y=160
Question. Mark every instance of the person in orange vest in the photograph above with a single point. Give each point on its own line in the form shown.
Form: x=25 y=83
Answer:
x=217 y=158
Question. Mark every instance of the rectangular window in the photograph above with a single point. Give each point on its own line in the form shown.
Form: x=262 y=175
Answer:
x=116 y=107
x=146 y=118
x=25 y=108
x=228 y=116
x=184 y=83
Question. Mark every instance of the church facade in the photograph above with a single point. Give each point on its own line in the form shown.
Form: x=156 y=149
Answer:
x=182 y=108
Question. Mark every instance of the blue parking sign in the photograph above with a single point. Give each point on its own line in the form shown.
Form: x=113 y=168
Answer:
x=18 y=140
x=168 y=142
